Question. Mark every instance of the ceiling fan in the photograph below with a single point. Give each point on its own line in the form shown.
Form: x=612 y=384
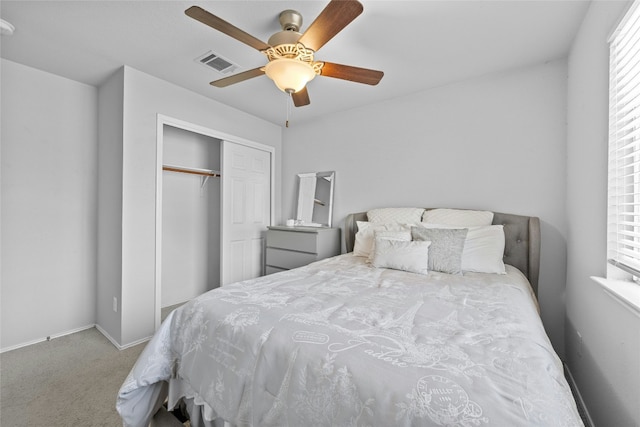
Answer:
x=291 y=54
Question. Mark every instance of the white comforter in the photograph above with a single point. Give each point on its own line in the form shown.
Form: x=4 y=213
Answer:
x=341 y=343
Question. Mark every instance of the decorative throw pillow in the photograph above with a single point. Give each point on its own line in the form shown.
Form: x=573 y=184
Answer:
x=400 y=232
x=395 y=215
x=366 y=234
x=483 y=248
x=445 y=252
x=459 y=217
x=401 y=255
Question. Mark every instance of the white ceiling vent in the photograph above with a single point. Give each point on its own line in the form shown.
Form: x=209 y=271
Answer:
x=218 y=63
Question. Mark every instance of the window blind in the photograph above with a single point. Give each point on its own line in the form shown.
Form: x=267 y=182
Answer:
x=623 y=240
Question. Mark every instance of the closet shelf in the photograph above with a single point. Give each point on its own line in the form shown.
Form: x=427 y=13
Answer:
x=194 y=171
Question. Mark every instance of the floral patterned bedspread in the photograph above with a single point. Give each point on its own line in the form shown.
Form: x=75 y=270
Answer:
x=341 y=343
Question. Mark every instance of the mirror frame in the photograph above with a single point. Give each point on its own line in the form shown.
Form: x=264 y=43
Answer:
x=304 y=199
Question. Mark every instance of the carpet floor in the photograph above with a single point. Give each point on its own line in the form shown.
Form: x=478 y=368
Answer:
x=68 y=381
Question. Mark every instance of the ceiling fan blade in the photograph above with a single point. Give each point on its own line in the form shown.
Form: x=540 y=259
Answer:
x=301 y=98
x=199 y=14
x=237 y=78
x=337 y=15
x=353 y=74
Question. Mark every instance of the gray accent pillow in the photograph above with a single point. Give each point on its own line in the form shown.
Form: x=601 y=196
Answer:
x=445 y=252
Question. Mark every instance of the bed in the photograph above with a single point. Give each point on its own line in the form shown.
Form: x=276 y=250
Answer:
x=375 y=340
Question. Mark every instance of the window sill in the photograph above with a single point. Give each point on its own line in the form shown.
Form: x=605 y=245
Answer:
x=627 y=293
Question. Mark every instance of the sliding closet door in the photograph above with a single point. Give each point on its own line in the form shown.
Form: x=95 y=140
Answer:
x=246 y=210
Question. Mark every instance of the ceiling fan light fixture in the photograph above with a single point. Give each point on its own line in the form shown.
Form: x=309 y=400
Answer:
x=289 y=75
x=6 y=28
x=284 y=37
x=291 y=54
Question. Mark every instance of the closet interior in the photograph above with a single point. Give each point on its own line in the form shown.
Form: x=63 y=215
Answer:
x=191 y=209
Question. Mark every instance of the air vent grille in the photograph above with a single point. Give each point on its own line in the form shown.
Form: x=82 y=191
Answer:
x=216 y=62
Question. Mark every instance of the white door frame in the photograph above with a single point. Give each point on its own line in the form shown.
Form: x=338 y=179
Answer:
x=191 y=127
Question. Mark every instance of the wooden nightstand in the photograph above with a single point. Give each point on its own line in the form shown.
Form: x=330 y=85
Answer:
x=291 y=247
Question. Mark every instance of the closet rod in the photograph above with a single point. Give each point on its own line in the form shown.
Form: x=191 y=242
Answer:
x=194 y=171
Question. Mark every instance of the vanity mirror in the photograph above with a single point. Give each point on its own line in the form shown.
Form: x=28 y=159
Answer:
x=315 y=199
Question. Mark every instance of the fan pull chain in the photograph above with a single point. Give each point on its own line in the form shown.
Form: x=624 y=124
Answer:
x=289 y=102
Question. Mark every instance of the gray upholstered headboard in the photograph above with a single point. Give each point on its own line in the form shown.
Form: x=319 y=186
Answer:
x=522 y=241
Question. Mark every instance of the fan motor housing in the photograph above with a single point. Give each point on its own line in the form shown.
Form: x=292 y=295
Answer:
x=290 y=21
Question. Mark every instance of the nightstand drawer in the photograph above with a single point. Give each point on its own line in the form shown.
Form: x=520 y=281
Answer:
x=292 y=247
x=288 y=259
x=292 y=240
x=270 y=270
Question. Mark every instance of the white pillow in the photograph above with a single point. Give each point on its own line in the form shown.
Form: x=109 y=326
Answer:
x=459 y=217
x=401 y=255
x=363 y=239
x=366 y=234
x=483 y=248
x=400 y=233
x=395 y=215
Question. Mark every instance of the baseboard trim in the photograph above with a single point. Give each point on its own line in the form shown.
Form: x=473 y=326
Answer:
x=579 y=401
x=49 y=338
x=109 y=337
x=117 y=344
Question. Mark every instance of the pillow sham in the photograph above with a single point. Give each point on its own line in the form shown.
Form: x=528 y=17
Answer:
x=363 y=239
x=411 y=256
x=483 y=249
x=395 y=215
x=445 y=252
x=459 y=217
x=366 y=234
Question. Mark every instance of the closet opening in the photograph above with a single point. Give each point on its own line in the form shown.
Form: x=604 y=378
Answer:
x=191 y=216
x=214 y=201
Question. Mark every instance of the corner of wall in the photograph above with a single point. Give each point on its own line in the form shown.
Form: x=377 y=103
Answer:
x=110 y=140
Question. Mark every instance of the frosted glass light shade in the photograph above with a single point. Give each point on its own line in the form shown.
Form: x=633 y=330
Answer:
x=290 y=75
x=6 y=28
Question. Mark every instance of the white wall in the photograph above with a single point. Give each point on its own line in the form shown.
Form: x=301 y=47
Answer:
x=606 y=366
x=190 y=217
x=57 y=275
x=495 y=142
x=49 y=203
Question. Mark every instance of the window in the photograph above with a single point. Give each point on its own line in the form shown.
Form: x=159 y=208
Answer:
x=623 y=246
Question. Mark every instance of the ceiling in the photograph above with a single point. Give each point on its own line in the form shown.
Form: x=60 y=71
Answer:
x=418 y=44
